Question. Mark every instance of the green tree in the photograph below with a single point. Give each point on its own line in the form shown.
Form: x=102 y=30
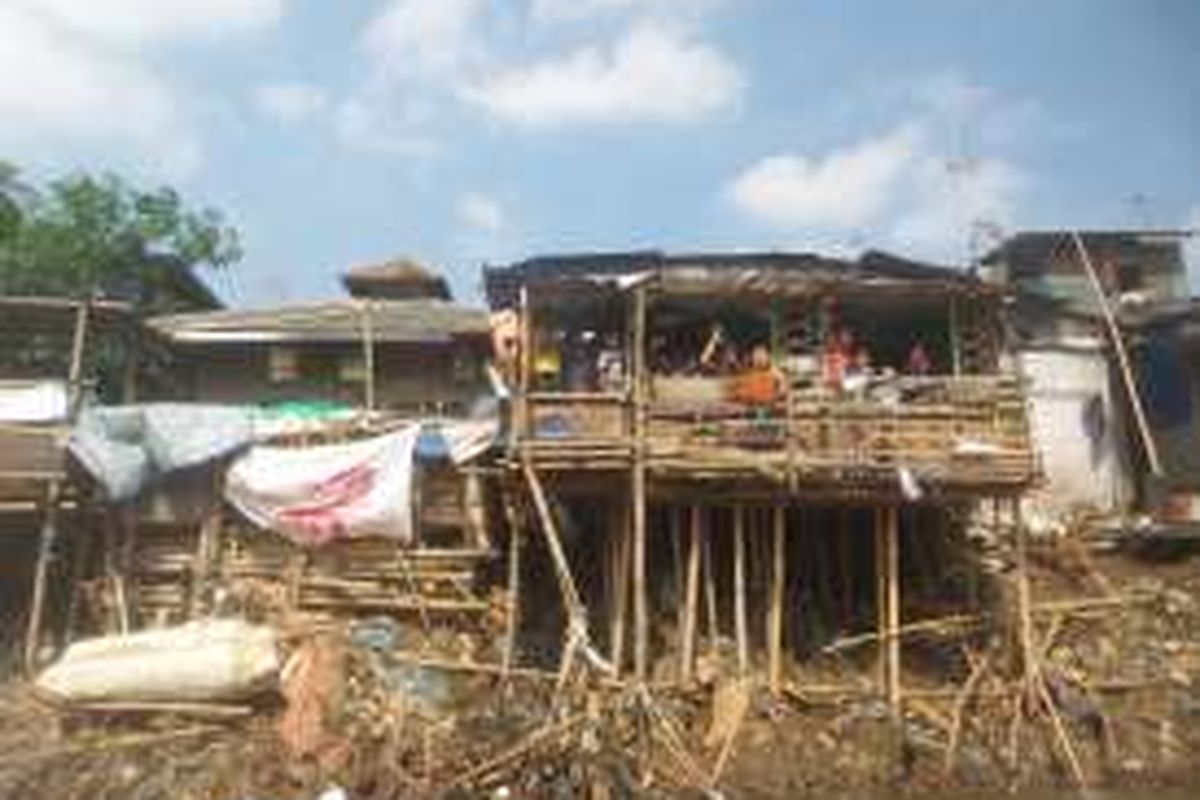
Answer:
x=85 y=234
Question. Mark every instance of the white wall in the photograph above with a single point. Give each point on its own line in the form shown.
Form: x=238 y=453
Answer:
x=1076 y=429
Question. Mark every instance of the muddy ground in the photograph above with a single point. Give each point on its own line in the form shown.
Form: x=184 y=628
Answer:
x=1119 y=655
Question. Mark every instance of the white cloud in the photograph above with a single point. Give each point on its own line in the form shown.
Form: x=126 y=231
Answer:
x=925 y=186
x=62 y=91
x=845 y=188
x=412 y=36
x=575 y=10
x=81 y=77
x=147 y=21
x=653 y=73
x=289 y=103
x=481 y=212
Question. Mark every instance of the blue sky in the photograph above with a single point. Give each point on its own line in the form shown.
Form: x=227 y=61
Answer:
x=463 y=131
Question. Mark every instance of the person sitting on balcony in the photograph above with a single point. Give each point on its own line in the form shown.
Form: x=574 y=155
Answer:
x=760 y=385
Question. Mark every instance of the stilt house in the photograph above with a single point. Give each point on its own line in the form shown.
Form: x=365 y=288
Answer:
x=749 y=452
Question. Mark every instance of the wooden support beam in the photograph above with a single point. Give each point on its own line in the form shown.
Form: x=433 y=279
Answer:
x=46 y=542
x=687 y=650
x=775 y=612
x=879 y=551
x=620 y=601
x=710 y=583
x=512 y=620
x=558 y=557
x=637 y=379
x=741 y=629
x=1126 y=369
x=892 y=564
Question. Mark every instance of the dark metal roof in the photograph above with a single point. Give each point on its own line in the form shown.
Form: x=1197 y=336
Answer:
x=502 y=282
x=398 y=279
x=413 y=321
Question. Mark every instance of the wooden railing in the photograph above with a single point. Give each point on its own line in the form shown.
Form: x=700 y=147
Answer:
x=968 y=428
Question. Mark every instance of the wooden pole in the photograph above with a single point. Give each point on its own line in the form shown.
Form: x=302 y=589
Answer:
x=78 y=342
x=739 y=589
x=710 y=584
x=558 y=557
x=1126 y=369
x=775 y=613
x=881 y=596
x=512 y=619
x=524 y=365
x=641 y=609
x=620 y=523
x=368 y=345
x=49 y=531
x=46 y=541
x=691 y=599
x=892 y=562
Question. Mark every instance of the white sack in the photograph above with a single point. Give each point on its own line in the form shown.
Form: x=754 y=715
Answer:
x=315 y=494
x=199 y=661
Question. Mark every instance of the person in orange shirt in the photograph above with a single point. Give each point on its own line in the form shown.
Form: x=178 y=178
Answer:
x=760 y=384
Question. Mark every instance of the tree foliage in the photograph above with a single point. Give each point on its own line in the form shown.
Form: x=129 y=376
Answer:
x=85 y=234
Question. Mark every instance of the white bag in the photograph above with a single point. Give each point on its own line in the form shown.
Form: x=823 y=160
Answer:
x=200 y=661
x=313 y=495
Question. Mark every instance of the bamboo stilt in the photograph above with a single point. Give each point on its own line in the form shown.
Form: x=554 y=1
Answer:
x=892 y=556
x=691 y=598
x=620 y=601
x=46 y=542
x=513 y=611
x=641 y=611
x=739 y=589
x=775 y=613
x=710 y=586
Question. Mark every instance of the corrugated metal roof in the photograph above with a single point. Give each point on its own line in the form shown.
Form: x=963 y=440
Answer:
x=417 y=321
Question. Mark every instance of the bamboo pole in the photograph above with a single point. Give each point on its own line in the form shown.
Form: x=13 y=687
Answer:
x=558 y=557
x=512 y=617
x=739 y=588
x=691 y=598
x=524 y=365
x=1126 y=369
x=641 y=610
x=881 y=623
x=710 y=584
x=892 y=556
x=46 y=541
x=621 y=555
x=368 y=346
x=775 y=614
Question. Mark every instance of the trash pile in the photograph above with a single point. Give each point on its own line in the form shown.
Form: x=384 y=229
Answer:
x=1094 y=683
